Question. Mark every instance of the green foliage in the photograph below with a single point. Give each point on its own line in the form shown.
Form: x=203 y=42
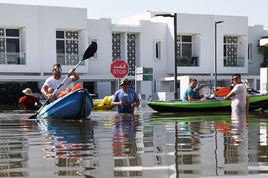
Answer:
x=263 y=50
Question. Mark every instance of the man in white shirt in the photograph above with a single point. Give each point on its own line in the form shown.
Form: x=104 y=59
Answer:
x=238 y=95
x=54 y=81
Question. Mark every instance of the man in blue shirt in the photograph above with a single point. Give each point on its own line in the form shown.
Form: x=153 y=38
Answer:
x=126 y=98
x=190 y=94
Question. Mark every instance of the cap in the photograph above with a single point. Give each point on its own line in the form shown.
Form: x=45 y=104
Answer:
x=123 y=81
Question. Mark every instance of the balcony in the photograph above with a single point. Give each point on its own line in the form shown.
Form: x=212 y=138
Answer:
x=188 y=61
x=234 y=62
x=13 y=58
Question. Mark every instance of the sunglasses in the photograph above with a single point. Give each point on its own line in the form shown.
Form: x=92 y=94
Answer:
x=125 y=83
x=58 y=69
x=235 y=78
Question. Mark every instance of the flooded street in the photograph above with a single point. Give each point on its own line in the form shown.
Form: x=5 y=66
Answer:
x=147 y=144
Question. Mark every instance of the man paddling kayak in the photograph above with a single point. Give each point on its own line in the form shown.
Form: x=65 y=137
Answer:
x=52 y=82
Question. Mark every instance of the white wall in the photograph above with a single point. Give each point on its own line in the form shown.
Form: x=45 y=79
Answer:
x=26 y=18
x=99 y=68
x=256 y=32
x=39 y=25
x=264 y=80
x=57 y=18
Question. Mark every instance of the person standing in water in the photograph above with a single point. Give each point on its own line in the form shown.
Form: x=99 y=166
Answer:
x=125 y=98
x=238 y=95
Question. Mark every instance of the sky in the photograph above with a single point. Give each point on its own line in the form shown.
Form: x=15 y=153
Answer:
x=255 y=10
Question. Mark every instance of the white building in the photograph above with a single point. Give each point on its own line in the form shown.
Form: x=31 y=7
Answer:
x=34 y=38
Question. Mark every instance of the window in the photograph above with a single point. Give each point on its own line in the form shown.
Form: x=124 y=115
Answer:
x=230 y=51
x=158 y=50
x=185 y=43
x=125 y=45
x=184 y=46
x=67 y=45
x=10 y=49
x=250 y=52
x=131 y=53
x=116 y=46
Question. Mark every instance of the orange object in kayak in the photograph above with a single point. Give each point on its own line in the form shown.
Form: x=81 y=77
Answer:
x=76 y=87
x=63 y=93
x=223 y=91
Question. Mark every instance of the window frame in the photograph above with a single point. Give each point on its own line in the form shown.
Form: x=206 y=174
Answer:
x=181 y=43
x=157 y=49
x=62 y=58
x=11 y=54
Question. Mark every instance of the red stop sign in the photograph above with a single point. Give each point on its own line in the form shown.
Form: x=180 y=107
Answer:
x=119 y=68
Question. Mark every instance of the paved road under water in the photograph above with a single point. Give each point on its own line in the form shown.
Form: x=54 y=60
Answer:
x=147 y=144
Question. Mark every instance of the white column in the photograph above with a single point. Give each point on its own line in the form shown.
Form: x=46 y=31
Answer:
x=264 y=80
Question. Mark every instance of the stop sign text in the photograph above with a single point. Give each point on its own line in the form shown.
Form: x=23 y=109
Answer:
x=119 y=68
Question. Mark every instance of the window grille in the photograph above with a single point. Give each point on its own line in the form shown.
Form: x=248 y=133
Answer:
x=67 y=45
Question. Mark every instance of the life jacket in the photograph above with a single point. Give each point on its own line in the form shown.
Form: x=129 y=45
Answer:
x=76 y=87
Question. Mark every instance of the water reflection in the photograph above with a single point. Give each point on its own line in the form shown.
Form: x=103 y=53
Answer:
x=70 y=144
x=146 y=144
x=14 y=146
x=125 y=149
x=219 y=143
x=239 y=127
x=124 y=135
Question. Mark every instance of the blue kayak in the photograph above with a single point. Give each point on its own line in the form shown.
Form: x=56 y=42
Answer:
x=74 y=106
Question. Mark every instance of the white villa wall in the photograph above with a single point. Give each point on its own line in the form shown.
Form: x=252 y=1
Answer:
x=234 y=26
x=148 y=37
x=39 y=25
x=264 y=80
x=202 y=27
x=256 y=32
x=99 y=68
x=28 y=21
x=51 y=21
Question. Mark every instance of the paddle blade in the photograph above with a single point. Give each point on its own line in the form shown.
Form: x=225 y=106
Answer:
x=33 y=116
x=222 y=91
x=91 y=50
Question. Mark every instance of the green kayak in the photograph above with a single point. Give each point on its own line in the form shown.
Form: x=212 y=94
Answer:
x=256 y=101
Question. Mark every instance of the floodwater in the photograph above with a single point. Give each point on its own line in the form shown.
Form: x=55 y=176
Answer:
x=147 y=144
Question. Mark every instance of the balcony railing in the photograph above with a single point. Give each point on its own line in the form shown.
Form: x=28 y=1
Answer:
x=69 y=59
x=234 y=62
x=13 y=58
x=188 y=61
